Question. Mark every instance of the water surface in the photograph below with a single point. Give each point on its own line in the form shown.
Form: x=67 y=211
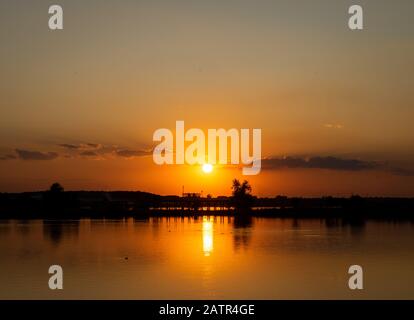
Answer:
x=206 y=258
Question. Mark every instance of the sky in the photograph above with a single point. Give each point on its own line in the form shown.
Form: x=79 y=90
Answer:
x=80 y=105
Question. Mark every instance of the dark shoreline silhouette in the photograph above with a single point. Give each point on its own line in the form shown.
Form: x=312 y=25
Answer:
x=118 y=204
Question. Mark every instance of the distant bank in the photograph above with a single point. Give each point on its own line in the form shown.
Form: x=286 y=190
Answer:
x=119 y=204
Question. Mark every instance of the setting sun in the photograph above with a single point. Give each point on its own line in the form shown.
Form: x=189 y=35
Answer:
x=207 y=168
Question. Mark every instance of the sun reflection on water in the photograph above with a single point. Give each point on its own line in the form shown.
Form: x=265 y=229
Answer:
x=207 y=237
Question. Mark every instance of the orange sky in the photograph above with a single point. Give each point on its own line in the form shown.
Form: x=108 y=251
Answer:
x=117 y=73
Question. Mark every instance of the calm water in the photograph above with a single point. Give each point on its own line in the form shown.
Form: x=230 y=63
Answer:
x=205 y=258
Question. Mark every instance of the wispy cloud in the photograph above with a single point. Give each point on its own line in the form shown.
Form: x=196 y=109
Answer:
x=333 y=125
x=401 y=171
x=80 y=146
x=93 y=145
x=8 y=157
x=88 y=154
x=69 y=146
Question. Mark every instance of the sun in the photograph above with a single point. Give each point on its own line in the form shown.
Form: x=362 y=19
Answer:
x=207 y=168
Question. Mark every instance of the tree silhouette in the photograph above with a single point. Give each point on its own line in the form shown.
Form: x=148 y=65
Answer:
x=241 y=194
x=56 y=188
x=54 y=197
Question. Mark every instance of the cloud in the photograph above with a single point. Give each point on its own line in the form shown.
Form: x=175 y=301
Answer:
x=132 y=153
x=102 y=151
x=8 y=157
x=332 y=163
x=35 y=155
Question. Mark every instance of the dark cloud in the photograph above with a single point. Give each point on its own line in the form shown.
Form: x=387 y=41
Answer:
x=35 y=155
x=332 y=163
x=131 y=153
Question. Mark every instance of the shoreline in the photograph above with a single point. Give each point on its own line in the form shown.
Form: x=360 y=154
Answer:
x=122 y=204
x=292 y=213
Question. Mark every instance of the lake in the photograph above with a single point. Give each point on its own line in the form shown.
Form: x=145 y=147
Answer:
x=206 y=258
